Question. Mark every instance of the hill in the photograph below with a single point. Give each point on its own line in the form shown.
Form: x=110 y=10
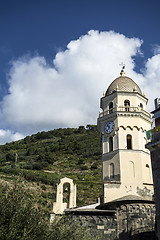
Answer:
x=44 y=158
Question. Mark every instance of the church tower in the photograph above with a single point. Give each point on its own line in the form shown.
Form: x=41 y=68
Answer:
x=123 y=122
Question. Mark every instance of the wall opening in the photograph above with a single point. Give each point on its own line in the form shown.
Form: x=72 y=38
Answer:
x=127 y=105
x=110 y=144
x=129 y=141
x=110 y=107
x=66 y=193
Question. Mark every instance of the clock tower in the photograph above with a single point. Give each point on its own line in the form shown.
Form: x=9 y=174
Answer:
x=123 y=122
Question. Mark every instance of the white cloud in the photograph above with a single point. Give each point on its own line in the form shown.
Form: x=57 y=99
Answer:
x=9 y=136
x=152 y=76
x=43 y=97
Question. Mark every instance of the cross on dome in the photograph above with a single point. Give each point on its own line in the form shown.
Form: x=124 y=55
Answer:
x=122 y=73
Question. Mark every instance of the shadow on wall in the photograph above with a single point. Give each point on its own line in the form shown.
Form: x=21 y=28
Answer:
x=140 y=236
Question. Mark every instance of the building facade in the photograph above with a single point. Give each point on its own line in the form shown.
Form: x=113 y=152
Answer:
x=123 y=122
x=154 y=147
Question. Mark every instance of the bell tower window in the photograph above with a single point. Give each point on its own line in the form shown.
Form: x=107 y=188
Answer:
x=129 y=141
x=127 y=105
x=110 y=144
x=110 y=107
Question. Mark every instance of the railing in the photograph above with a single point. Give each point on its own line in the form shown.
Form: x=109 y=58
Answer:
x=123 y=109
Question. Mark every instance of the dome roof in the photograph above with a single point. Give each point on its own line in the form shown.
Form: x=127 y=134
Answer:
x=123 y=84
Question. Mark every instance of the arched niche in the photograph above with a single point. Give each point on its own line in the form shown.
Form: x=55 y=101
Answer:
x=66 y=196
x=132 y=169
x=111 y=170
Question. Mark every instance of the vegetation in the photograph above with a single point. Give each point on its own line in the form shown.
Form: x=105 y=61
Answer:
x=44 y=158
x=22 y=219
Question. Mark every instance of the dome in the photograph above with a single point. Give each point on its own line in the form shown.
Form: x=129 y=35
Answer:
x=123 y=84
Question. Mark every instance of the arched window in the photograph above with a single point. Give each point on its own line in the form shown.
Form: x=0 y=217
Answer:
x=129 y=141
x=110 y=144
x=127 y=105
x=66 y=193
x=110 y=107
x=111 y=170
x=141 y=105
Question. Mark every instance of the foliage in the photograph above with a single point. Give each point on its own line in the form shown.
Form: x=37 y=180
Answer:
x=48 y=156
x=33 y=175
x=21 y=220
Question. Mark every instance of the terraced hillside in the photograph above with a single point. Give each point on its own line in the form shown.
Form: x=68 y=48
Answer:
x=42 y=159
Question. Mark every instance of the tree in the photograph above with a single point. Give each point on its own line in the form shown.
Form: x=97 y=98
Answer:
x=10 y=156
x=20 y=220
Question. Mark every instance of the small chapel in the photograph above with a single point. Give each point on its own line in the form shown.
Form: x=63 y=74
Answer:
x=126 y=209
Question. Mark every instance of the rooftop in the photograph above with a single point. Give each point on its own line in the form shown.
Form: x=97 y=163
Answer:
x=124 y=84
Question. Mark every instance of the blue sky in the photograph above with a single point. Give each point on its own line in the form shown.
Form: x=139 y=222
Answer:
x=35 y=33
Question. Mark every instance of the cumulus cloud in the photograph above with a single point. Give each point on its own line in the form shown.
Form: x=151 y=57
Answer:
x=43 y=97
x=9 y=136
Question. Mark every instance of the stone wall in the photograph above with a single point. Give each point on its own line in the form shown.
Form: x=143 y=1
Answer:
x=134 y=220
x=99 y=225
x=129 y=221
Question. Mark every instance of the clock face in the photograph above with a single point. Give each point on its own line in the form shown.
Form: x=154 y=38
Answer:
x=108 y=128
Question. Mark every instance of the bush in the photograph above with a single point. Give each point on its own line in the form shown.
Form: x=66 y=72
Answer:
x=44 y=195
x=84 y=167
x=94 y=165
x=43 y=187
x=21 y=220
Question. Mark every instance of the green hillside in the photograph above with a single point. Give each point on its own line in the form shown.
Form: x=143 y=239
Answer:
x=44 y=158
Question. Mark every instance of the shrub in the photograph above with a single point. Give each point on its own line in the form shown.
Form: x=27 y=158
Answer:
x=44 y=195
x=21 y=220
x=84 y=168
x=94 y=165
x=43 y=187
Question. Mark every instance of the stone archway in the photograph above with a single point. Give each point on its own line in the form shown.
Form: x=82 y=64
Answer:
x=66 y=196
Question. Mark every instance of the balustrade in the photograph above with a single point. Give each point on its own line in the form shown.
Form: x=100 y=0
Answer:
x=123 y=109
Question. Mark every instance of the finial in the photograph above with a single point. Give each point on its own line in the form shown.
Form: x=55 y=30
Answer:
x=122 y=73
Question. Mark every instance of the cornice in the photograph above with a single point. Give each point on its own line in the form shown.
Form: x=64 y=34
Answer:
x=116 y=114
